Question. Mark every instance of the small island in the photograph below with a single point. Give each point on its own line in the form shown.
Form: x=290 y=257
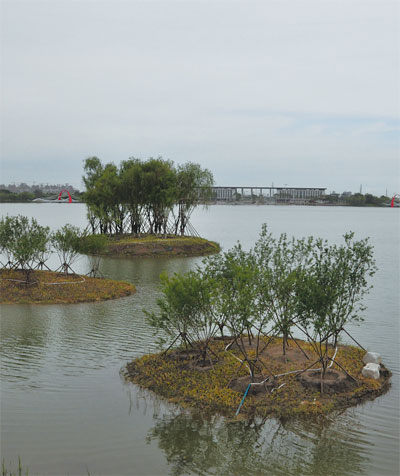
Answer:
x=143 y=207
x=216 y=386
x=260 y=332
x=157 y=246
x=25 y=278
x=48 y=287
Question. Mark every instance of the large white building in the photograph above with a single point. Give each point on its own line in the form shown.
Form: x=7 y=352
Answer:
x=277 y=194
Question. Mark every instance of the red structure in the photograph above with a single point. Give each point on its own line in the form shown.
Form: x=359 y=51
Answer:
x=392 y=203
x=69 y=196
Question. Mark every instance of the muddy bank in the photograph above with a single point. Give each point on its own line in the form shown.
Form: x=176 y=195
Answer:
x=218 y=386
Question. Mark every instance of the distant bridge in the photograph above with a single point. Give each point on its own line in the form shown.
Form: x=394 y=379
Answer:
x=234 y=193
x=57 y=199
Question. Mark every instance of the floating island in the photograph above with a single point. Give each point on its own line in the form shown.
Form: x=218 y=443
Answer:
x=49 y=287
x=155 y=246
x=221 y=385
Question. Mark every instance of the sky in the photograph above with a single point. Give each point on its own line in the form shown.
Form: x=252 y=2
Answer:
x=303 y=93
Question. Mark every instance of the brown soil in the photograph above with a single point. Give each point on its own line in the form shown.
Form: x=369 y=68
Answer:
x=294 y=357
x=191 y=358
x=240 y=385
x=334 y=381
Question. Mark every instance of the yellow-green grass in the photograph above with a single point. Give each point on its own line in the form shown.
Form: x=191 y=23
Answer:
x=151 y=245
x=181 y=382
x=48 y=287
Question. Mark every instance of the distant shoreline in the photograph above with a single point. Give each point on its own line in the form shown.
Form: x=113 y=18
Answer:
x=241 y=203
x=345 y=205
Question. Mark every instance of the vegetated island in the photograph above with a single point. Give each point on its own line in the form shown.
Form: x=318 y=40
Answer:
x=25 y=247
x=155 y=246
x=182 y=378
x=143 y=207
x=260 y=298
x=49 y=287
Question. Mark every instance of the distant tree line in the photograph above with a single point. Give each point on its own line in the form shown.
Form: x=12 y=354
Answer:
x=143 y=196
x=358 y=200
x=7 y=196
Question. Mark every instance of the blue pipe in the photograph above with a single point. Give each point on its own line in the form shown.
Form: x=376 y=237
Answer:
x=241 y=403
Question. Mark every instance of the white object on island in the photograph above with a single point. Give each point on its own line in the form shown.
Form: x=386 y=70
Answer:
x=371 y=370
x=372 y=358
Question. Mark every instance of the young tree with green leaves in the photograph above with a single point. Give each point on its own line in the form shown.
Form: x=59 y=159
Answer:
x=235 y=295
x=193 y=186
x=6 y=238
x=93 y=246
x=132 y=193
x=186 y=312
x=66 y=242
x=27 y=242
x=330 y=290
x=159 y=179
x=278 y=263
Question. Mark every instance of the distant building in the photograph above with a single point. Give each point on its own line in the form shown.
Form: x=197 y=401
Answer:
x=271 y=194
x=223 y=193
x=299 y=193
x=44 y=188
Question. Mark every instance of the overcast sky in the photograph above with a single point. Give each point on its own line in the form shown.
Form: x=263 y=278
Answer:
x=303 y=93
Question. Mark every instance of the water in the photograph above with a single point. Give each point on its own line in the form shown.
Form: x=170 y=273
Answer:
x=65 y=409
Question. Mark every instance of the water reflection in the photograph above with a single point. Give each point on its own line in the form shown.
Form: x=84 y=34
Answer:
x=198 y=445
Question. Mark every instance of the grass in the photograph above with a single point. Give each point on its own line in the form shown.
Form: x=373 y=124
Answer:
x=152 y=245
x=208 y=390
x=48 y=287
x=19 y=472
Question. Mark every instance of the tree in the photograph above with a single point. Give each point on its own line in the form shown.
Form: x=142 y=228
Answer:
x=278 y=264
x=66 y=242
x=234 y=293
x=93 y=169
x=140 y=195
x=7 y=235
x=193 y=186
x=159 y=179
x=329 y=292
x=132 y=192
x=186 y=312
x=93 y=245
x=28 y=242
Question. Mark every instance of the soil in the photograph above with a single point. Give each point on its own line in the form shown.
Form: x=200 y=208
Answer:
x=152 y=246
x=334 y=381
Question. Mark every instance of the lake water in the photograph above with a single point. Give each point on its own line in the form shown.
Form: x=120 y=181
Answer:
x=66 y=410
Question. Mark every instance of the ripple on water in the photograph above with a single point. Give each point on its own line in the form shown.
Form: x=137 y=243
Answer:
x=60 y=373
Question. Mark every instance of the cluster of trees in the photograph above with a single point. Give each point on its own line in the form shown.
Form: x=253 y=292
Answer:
x=7 y=196
x=10 y=197
x=151 y=196
x=26 y=245
x=358 y=200
x=280 y=285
